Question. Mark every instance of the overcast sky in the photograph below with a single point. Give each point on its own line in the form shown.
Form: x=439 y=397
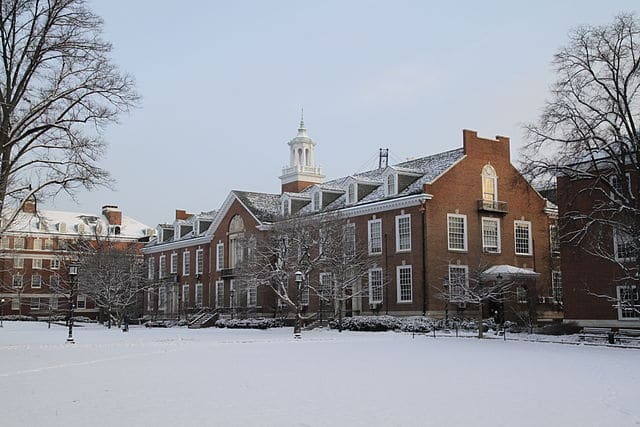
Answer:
x=223 y=84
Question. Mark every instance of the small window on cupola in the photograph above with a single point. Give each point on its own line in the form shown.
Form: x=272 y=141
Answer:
x=391 y=184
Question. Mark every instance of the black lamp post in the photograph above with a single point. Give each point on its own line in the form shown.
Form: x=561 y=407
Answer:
x=73 y=276
x=2 y=312
x=297 y=327
x=232 y=293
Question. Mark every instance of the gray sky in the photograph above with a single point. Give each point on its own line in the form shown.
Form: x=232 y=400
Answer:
x=223 y=83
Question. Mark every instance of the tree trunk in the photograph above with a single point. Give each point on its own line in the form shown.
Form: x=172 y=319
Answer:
x=480 y=325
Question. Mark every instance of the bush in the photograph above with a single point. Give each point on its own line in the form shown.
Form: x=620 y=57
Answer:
x=248 y=323
x=368 y=323
x=566 y=328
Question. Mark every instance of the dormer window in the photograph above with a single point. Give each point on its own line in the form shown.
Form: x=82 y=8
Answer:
x=62 y=227
x=316 y=202
x=352 y=193
x=391 y=185
x=286 y=207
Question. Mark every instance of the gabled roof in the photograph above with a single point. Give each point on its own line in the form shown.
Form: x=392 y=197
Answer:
x=264 y=206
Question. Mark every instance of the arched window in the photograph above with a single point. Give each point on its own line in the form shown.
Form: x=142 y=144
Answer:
x=307 y=161
x=489 y=184
x=300 y=160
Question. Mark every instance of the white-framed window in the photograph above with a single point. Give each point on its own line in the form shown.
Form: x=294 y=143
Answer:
x=404 y=279
x=36 y=264
x=162 y=297
x=151 y=268
x=199 y=261
x=162 y=267
x=53 y=302
x=219 y=256
x=623 y=246
x=325 y=284
x=186 y=263
x=37 y=244
x=304 y=294
x=556 y=286
x=235 y=250
x=403 y=233
x=81 y=301
x=18 y=262
x=458 y=282
x=618 y=189
x=628 y=302
x=252 y=295
x=234 y=293
x=55 y=264
x=36 y=281
x=457 y=232
x=349 y=239
x=54 y=281
x=522 y=232
x=174 y=263
x=375 y=285
x=554 y=239
x=185 y=295
x=5 y=242
x=521 y=295
x=48 y=244
x=489 y=184
x=491 y=235
x=34 y=304
x=219 y=294
x=352 y=191
x=391 y=187
x=199 y=294
x=15 y=303
x=18 y=242
x=150 y=300
x=316 y=201
x=375 y=236
x=62 y=227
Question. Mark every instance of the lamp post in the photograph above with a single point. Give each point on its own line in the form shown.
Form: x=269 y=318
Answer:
x=232 y=293
x=2 y=312
x=297 y=327
x=73 y=275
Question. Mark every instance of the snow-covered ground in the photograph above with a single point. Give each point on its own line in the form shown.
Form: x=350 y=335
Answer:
x=207 y=377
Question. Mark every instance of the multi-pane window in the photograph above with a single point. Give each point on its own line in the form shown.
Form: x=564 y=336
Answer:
x=554 y=239
x=521 y=295
x=375 y=285
x=349 y=239
x=286 y=207
x=162 y=272
x=150 y=300
x=491 y=235
x=36 y=263
x=151 y=268
x=325 y=285
x=623 y=246
x=628 y=302
x=489 y=181
x=403 y=233
x=351 y=193
x=198 y=294
x=54 y=281
x=252 y=295
x=457 y=232
x=391 y=185
x=234 y=294
x=458 y=282
x=620 y=187
x=199 y=261
x=185 y=295
x=219 y=294
x=556 y=286
x=55 y=264
x=405 y=283
x=48 y=244
x=81 y=301
x=316 y=201
x=36 y=281
x=174 y=263
x=18 y=262
x=162 y=297
x=37 y=244
x=5 y=242
x=375 y=236
x=186 y=263
x=34 y=304
x=304 y=294
x=53 y=302
x=219 y=256
x=522 y=231
x=18 y=242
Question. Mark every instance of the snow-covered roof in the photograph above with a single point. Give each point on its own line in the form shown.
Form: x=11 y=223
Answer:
x=508 y=272
x=264 y=206
x=207 y=216
x=76 y=223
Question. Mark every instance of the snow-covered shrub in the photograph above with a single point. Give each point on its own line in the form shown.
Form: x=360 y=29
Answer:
x=567 y=328
x=258 y=323
x=368 y=323
x=417 y=324
x=20 y=317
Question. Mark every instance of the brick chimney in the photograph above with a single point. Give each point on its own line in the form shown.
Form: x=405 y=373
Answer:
x=113 y=214
x=182 y=214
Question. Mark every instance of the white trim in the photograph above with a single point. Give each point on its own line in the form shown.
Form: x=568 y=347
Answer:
x=398 y=285
x=200 y=265
x=499 y=242
x=371 y=221
x=219 y=286
x=186 y=259
x=199 y=290
x=615 y=249
x=398 y=218
x=516 y=223
x=173 y=267
x=465 y=240
x=219 y=256
x=371 y=300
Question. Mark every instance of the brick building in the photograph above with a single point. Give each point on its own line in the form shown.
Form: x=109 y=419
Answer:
x=37 y=251
x=599 y=266
x=427 y=222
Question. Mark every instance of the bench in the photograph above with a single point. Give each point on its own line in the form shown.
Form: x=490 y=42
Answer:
x=596 y=334
x=628 y=335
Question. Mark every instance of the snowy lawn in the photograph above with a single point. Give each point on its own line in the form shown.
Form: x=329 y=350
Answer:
x=181 y=377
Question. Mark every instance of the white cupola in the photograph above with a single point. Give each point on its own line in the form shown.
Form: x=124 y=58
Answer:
x=302 y=171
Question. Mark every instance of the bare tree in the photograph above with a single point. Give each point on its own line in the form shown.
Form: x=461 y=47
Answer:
x=588 y=135
x=111 y=273
x=58 y=91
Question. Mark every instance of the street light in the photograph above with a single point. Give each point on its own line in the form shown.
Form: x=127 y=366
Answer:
x=297 y=327
x=73 y=274
x=2 y=312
